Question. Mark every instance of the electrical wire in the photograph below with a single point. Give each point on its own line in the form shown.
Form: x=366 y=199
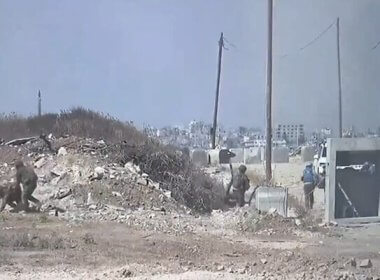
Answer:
x=314 y=40
x=375 y=46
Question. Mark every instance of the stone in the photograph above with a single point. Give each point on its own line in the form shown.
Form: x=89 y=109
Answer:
x=62 y=151
x=168 y=194
x=298 y=222
x=126 y=273
x=220 y=268
x=264 y=261
x=92 y=207
x=366 y=263
x=39 y=163
x=99 y=172
x=142 y=181
x=89 y=199
x=132 y=168
x=117 y=194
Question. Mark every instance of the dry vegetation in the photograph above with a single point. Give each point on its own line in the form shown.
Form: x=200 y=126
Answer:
x=78 y=122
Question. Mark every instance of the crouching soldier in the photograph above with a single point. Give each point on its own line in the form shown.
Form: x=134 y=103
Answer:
x=240 y=184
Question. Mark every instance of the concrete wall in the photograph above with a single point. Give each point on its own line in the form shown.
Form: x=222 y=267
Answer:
x=307 y=153
x=252 y=155
x=199 y=157
x=239 y=155
x=280 y=155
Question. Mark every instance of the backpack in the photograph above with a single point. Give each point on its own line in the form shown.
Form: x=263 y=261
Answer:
x=308 y=175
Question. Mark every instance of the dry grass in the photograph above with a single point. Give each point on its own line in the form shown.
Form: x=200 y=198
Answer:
x=299 y=208
x=33 y=241
x=255 y=178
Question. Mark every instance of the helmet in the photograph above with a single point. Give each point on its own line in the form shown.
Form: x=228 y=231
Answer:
x=242 y=168
x=19 y=164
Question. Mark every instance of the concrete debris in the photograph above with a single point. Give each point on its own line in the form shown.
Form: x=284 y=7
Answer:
x=142 y=181
x=117 y=194
x=39 y=163
x=272 y=211
x=98 y=173
x=90 y=201
x=20 y=141
x=62 y=151
x=220 y=268
x=365 y=263
x=132 y=167
x=61 y=194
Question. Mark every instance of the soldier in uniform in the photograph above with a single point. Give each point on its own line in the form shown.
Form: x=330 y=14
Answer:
x=240 y=184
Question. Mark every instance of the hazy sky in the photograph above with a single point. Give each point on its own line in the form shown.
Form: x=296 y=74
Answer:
x=154 y=61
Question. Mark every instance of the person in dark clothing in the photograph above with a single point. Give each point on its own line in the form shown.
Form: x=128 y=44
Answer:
x=240 y=184
x=309 y=181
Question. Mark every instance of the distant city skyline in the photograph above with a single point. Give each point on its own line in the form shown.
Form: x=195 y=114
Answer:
x=155 y=61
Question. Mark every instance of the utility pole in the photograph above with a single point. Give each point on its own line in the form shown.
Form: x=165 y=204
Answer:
x=268 y=150
x=221 y=43
x=339 y=78
x=39 y=103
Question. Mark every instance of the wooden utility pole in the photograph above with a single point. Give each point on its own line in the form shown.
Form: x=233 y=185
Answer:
x=339 y=78
x=39 y=103
x=221 y=41
x=268 y=151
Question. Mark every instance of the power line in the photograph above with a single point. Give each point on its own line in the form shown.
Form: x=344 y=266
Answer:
x=314 y=40
x=375 y=46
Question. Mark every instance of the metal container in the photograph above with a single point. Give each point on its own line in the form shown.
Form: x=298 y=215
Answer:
x=272 y=197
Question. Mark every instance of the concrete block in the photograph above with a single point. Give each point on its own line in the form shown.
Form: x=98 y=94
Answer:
x=307 y=153
x=213 y=157
x=199 y=157
x=280 y=155
x=252 y=155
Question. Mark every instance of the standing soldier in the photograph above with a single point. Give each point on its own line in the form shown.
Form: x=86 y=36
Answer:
x=239 y=184
x=309 y=181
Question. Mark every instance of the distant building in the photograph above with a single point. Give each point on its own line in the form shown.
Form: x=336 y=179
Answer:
x=291 y=133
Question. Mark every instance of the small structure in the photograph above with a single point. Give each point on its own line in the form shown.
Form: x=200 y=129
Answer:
x=252 y=155
x=216 y=157
x=353 y=180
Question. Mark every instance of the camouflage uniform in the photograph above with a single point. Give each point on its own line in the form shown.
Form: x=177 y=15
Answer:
x=239 y=184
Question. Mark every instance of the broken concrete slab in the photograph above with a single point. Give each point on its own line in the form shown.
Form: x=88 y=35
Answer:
x=365 y=263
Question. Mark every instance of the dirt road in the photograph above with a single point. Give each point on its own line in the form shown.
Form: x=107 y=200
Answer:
x=38 y=247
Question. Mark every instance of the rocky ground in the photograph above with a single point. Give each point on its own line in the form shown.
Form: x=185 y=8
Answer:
x=103 y=220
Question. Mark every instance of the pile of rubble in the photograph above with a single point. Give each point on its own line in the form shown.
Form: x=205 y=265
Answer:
x=79 y=180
